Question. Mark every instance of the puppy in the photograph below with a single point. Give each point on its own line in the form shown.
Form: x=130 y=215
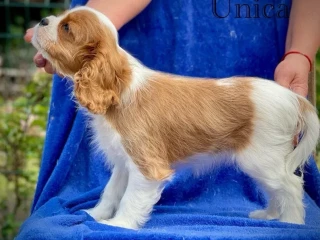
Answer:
x=145 y=121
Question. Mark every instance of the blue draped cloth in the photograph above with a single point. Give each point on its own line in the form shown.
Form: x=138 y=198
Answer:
x=188 y=37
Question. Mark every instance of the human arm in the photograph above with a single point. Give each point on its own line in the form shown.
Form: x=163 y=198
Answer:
x=119 y=12
x=303 y=36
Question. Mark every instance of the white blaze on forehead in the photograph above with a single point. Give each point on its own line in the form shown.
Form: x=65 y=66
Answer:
x=103 y=18
x=52 y=28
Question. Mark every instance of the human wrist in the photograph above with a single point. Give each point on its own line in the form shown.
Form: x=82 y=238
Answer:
x=310 y=50
x=300 y=57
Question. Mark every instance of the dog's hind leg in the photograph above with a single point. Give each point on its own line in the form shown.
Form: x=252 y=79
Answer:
x=267 y=166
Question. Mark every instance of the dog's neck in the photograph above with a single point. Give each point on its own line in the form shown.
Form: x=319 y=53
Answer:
x=139 y=78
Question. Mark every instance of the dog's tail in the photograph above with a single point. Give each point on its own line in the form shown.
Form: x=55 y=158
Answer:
x=309 y=128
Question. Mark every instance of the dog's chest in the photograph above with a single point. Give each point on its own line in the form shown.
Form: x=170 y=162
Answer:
x=108 y=140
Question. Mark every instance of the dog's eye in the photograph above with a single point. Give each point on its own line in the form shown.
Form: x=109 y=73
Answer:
x=65 y=27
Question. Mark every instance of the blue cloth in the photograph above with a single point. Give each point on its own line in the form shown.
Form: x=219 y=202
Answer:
x=184 y=37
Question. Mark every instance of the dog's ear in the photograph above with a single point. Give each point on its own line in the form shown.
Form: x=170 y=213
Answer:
x=101 y=79
x=92 y=96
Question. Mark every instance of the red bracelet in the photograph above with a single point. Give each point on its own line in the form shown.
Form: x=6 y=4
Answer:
x=296 y=52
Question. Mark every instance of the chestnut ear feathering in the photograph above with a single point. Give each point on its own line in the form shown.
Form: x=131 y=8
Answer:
x=102 y=78
x=93 y=97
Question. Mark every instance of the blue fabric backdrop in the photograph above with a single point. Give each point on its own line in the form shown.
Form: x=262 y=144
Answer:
x=184 y=37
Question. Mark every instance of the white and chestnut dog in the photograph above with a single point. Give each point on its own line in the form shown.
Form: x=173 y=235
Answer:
x=145 y=121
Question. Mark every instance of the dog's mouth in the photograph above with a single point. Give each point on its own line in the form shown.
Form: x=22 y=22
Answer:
x=38 y=44
x=35 y=41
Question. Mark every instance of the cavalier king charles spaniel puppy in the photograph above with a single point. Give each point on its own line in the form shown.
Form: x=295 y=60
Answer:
x=146 y=121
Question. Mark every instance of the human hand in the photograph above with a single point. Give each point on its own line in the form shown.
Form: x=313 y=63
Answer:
x=293 y=72
x=38 y=59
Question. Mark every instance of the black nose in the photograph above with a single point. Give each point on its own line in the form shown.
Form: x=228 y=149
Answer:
x=44 y=22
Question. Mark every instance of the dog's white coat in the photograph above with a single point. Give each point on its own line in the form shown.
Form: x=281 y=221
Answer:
x=129 y=197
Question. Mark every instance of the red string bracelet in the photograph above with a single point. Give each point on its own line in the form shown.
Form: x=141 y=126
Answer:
x=296 y=52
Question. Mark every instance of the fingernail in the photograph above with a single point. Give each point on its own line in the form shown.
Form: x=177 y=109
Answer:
x=29 y=31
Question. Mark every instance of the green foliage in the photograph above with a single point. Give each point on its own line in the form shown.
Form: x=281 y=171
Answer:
x=16 y=29
x=50 y=11
x=317 y=64
x=22 y=130
x=318 y=78
x=15 y=52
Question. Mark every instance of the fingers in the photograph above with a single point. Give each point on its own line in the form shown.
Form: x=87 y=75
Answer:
x=41 y=62
x=303 y=91
x=28 y=35
x=283 y=75
x=292 y=74
x=48 y=68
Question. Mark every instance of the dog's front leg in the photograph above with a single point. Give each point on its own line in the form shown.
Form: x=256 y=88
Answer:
x=112 y=194
x=137 y=203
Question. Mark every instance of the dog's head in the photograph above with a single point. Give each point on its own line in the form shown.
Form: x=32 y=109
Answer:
x=83 y=45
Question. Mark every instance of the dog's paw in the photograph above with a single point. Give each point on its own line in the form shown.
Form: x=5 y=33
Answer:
x=119 y=223
x=294 y=220
x=98 y=213
x=263 y=214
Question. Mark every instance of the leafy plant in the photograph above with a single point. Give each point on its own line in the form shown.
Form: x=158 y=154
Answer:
x=317 y=62
x=22 y=130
